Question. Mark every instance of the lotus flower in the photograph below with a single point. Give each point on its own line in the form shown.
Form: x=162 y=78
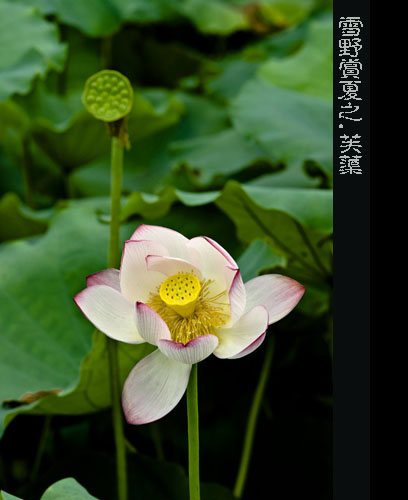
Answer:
x=187 y=298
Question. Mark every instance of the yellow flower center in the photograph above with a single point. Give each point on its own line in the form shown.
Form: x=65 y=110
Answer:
x=180 y=292
x=188 y=307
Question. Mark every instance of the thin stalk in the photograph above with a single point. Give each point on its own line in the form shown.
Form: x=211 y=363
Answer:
x=116 y=192
x=252 y=421
x=41 y=448
x=193 y=436
x=113 y=260
x=156 y=436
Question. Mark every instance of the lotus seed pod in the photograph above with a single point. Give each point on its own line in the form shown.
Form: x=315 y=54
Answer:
x=108 y=95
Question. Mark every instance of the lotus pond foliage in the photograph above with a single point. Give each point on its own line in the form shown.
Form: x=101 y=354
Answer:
x=225 y=109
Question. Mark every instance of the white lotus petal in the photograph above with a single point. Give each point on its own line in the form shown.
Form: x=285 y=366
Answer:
x=279 y=294
x=240 y=336
x=153 y=388
x=110 y=312
x=194 y=351
x=213 y=264
x=150 y=325
x=251 y=348
x=175 y=242
x=136 y=282
x=109 y=277
x=237 y=297
x=171 y=265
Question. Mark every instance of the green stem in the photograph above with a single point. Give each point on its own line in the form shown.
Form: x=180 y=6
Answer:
x=113 y=261
x=252 y=421
x=116 y=192
x=41 y=448
x=155 y=430
x=193 y=436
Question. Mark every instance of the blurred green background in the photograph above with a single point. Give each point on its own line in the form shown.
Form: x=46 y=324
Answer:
x=231 y=135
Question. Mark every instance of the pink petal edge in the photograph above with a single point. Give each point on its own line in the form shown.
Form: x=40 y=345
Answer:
x=194 y=351
x=237 y=296
x=251 y=348
x=150 y=325
x=109 y=277
x=278 y=293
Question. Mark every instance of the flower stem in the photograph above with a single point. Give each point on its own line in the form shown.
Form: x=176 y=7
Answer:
x=193 y=437
x=113 y=260
x=252 y=421
x=41 y=448
x=116 y=192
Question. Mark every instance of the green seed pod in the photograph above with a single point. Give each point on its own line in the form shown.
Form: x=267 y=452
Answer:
x=108 y=95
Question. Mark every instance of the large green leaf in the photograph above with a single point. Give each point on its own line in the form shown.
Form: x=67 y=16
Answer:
x=284 y=13
x=227 y=76
x=93 y=17
x=50 y=110
x=105 y=17
x=213 y=16
x=287 y=107
x=91 y=392
x=65 y=489
x=153 y=110
x=29 y=46
x=84 y=141
x=257 y=258
x=15 y=222
x=310 y=69
x=7 y=496
x=295 y=178
x=297 y=224
x=43 y=335
x=14 y=124
x=216 y=156
x=153 y=206
x=292 y=127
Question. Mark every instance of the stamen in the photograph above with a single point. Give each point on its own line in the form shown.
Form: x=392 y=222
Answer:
x=208 y=313
x=180 y=292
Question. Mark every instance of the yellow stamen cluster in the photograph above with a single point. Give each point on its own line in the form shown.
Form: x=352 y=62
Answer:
x=181 y=293
x=189 y=316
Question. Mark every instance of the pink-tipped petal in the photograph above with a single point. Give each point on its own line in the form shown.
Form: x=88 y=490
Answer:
x=240 y=336
x=150 y=325
x=175 y=242
x=136 y=282
x=214 y=264
x=110 y=312
x=279 y=294
x=109 y=277
x=222 y=251
x=171 y=265
x=251 y=348
x=194 y=351
x=153 y=388
x=237 y=297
